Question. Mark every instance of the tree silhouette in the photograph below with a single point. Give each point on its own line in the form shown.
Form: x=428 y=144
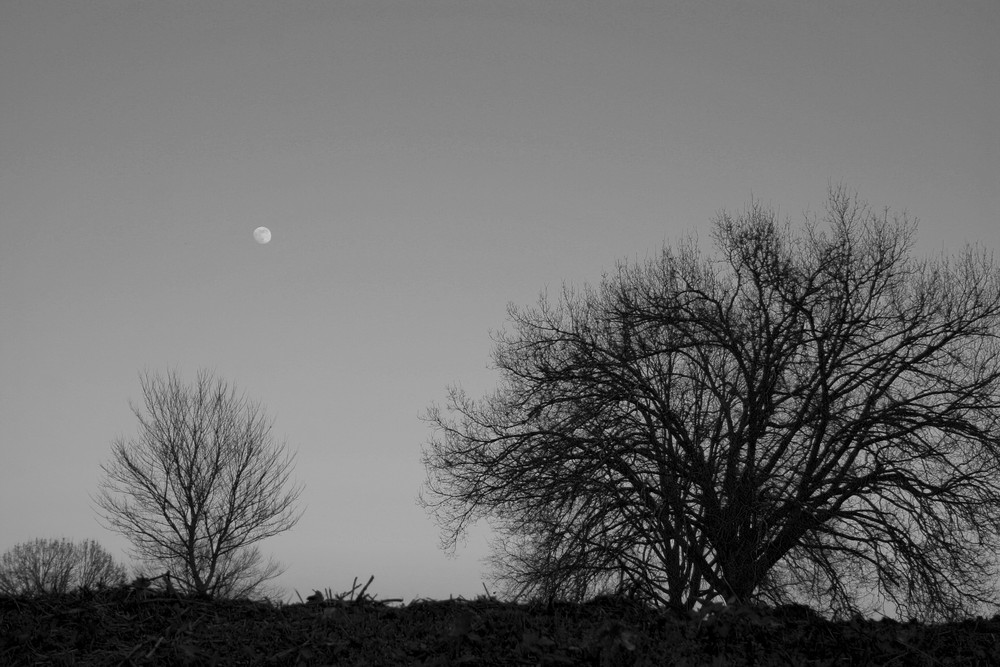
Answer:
x=806 y=414
x=199 y=486
x=47 y=567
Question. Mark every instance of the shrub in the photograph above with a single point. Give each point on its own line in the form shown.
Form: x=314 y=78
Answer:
x=48 y=566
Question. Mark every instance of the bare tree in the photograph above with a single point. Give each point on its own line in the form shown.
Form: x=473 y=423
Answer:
x=44 y=567
x=201 y=483
x=808 y=414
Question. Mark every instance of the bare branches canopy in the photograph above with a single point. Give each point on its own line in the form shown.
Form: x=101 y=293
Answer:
x=807 y=413
x=199 y=486
x=47 y=567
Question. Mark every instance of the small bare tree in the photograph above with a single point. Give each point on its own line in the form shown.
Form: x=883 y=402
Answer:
x=43 y=567
x=201 y=483
x=813 y=413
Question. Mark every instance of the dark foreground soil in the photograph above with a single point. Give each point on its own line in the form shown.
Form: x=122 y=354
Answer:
x=123 y=628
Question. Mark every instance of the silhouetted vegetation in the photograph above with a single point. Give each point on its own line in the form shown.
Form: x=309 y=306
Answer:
x=201 y=483
x=143 y=626
x=55 y=567
x=808 y=415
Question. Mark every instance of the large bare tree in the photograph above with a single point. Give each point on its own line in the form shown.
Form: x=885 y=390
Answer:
x=55 y=567
x=807 y=414
x=201 y=483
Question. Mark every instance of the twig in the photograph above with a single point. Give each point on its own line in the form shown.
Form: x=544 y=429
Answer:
x=361 y=595
x=152 y=650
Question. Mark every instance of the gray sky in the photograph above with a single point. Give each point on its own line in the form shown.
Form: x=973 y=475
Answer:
x=420 y=165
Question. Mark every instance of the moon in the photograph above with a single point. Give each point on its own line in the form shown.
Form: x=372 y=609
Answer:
x=262 y=235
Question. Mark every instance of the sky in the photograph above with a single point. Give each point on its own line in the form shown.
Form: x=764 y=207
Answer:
x=420 y=165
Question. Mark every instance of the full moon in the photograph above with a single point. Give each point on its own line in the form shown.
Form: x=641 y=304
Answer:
x=262 y=235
